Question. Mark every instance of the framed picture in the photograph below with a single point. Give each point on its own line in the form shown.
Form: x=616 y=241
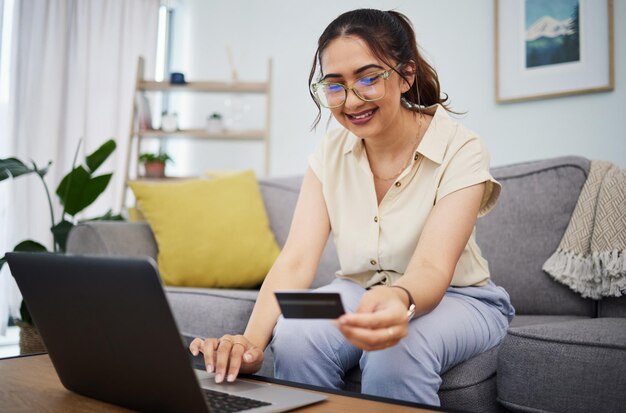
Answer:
x=549 y=48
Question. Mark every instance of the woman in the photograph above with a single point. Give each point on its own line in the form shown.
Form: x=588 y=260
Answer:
x=400 y=186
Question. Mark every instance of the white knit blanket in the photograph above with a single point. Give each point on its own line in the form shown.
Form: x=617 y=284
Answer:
x=591 y=258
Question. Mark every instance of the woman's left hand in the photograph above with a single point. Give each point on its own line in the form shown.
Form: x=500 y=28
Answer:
x=379 y=322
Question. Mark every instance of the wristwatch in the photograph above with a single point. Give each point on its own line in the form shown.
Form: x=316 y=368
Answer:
x=411 y=311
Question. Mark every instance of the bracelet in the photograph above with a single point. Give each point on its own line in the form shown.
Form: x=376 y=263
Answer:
x=411 y=311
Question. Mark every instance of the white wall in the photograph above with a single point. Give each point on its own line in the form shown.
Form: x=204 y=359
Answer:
x=458 y=39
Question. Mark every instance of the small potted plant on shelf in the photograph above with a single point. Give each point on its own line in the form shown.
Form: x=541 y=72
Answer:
x=214 y=123
x=154 y=164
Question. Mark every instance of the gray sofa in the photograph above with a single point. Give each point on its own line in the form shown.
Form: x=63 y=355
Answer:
x=562 y=352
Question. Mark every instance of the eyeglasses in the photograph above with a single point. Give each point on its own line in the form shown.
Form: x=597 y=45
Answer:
x=369 y=88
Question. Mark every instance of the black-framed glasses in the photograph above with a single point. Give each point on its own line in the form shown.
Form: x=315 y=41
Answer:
x=368 y=88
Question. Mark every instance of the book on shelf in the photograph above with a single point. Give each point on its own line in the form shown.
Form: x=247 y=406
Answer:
x=144 y=117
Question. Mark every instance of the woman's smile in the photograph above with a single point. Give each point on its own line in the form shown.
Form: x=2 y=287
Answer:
x=362 y=117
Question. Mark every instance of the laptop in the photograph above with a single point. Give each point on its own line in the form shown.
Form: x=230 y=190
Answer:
x=111 y=336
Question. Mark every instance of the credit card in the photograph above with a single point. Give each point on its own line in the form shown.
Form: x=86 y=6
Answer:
x=305 y=304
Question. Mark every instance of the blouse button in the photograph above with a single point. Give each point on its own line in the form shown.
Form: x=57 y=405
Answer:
x=373 y=262
x=398 y=184
x=375 y=219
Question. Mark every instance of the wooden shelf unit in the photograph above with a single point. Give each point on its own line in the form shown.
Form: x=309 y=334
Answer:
x=215 y=87
x=250 y=134
x=137 y=135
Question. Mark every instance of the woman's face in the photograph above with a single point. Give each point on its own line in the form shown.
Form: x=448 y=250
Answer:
x=347 y=59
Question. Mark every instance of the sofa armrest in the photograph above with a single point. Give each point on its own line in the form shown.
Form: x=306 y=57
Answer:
x=113 y=238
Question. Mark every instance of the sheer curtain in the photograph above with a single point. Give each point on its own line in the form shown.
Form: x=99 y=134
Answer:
x=8 y=291
x=74 y=76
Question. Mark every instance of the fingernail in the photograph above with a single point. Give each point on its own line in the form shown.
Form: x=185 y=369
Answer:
x=231 y=377
x=194 y=352
x=209 y=368
x=219 y=378
x=247 y=357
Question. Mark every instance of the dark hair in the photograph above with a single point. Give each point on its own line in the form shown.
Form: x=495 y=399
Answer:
x=390 y=36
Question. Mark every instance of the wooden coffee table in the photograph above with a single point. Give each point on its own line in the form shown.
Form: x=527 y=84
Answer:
x=30 y=384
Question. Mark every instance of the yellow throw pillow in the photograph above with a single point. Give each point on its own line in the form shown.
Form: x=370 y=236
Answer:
x=210 y=232
x=135 y=215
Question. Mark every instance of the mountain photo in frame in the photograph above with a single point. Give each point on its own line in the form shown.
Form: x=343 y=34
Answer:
x=551 y=48
x=552 y=32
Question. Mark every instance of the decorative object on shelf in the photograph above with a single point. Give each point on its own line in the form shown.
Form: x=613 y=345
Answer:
x=214 y=123
x=76 y=191
x=143 y=112
x=553 y=48
x=169 y=122
x=177 y=78
x=154 y=164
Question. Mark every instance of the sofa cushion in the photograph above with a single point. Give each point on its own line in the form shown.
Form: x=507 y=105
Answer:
x=525 y=228
x=472 y=385
x=210 y=233
x=573 y=366
x=477 y=398
x=612 y=307
x=531 y=320
x=471 y=372
x=211 y=312
x=112 y=238
x=280 y=196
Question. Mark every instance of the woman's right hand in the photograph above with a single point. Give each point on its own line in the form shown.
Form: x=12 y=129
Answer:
x=228 y=356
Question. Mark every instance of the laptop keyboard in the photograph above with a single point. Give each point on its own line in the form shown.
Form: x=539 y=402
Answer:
x=224 y=402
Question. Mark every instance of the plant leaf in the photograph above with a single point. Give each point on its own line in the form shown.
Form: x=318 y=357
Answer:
x=25 y=314
x=25 y=246
x=81 y=196
x=28 y=246
x=60 y=232
x=95 y=187
x=13 y=167
x=71 y=187
x=100 y=155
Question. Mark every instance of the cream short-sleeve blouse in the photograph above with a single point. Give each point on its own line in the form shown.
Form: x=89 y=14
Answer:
x=376 y=242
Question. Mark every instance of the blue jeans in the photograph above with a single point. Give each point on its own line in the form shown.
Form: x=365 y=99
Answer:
x=467 y=322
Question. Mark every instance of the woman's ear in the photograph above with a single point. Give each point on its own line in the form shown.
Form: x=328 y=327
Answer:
x=408 y=71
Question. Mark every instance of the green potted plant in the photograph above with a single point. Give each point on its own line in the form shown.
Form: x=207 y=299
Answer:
x=154 y=164
x=77 y=190
x=214 y=123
